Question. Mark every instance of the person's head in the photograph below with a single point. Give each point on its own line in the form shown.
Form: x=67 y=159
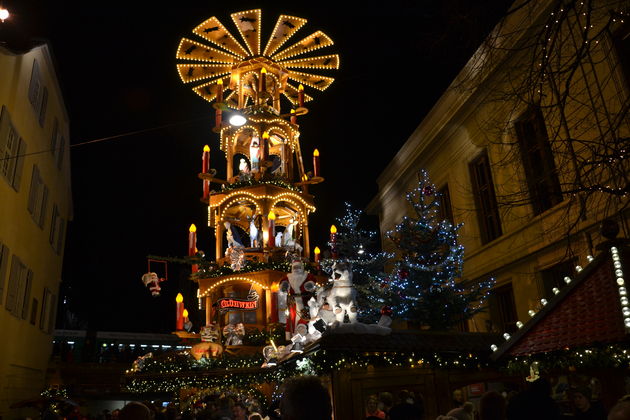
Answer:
x=386 y=398
x=581 y=398
x=305 y=398
x=621 y=411
x=372 y=404
x=492 y=406
x=458 y=396
x=135 y=411
x=239 y=411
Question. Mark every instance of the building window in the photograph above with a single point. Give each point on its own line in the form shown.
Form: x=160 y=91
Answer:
x=446 y=210
x=47 y=314
x=19 y=289
x=35 y=87
x=57 y=144
x=540 y=170
x=37 y=197
x=503 y=309
x=60 y=151
x=621 y=41
x=12 y=151
x=554 y=277
x=38 y=94
x=485 y=199
x=42 y=107
x=57 y=230
x=4 y=263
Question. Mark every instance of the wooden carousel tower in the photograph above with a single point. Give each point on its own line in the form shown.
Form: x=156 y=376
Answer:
x=259 y=210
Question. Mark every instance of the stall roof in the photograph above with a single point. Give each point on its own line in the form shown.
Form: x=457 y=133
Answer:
x=586 y=312
x=408 y=341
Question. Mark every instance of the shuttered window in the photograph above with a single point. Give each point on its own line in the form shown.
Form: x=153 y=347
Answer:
x=12 y=151
x=4 y=264
x=540 y=170
x=38 y=197
x=47 y=314
x=485 y=199
x=19 y=289
x=57 y=230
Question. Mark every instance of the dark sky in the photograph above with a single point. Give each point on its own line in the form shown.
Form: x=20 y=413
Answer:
x=138 y=194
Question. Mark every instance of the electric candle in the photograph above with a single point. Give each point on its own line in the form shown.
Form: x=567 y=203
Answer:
x=315 y=162
x=301 y=95
x=179 y=312
x=272 y=229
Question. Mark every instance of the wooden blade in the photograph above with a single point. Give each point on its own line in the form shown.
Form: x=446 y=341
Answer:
x=312 y=42
x=248 y=24
x=208 y=90
x=192 y=72
x=212 y=30
x=321 y=62
x=285 y=27
x=312 y=80
x=192 y=50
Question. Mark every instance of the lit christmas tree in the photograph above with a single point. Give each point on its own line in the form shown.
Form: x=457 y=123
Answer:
x=356 y=245
x=424 y=286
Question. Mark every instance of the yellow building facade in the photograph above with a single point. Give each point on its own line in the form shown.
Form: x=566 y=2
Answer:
x=506 y=164
x=35 y=207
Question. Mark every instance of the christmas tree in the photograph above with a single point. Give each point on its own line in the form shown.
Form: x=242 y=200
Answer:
x=357 y=246
x=425 y=285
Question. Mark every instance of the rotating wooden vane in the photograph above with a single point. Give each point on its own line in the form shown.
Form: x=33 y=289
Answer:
x=246 y=75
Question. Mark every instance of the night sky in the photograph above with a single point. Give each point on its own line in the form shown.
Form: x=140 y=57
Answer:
x=137 y=194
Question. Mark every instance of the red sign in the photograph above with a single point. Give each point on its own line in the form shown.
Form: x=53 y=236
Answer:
x=475 y=390
x=237 y=304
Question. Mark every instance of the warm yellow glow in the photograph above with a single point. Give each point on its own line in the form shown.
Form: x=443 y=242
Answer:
x=185 y=313
x=206 y=148
x=300 y=87
x=4 y=14
x=220 y=82
x=315 y=152
x=275 y=287
x=274 y=345
x=263 y=70
x=293 y=111
x=271 y=216
x=192 y=228
x=317 y=251
x=265 y=235
x=333 y=229
x=207 y=292
x=179 y=298
x=265 y=135
x=304 y=177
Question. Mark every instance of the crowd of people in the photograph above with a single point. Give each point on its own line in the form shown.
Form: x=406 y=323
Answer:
x=534 y=403
x=305 y=398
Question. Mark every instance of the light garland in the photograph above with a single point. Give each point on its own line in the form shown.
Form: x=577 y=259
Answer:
x=193 y=50
x=312 y=42
x=284 y=29
x=213 y=30
x=206 y=293
x=265 y=197
x=254 y=19
x=317 y=82
x=321 y=62
x=621 y=284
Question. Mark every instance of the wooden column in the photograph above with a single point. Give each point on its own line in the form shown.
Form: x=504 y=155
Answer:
x=230 y=160
x=209 y=312
x=307 y=246
x=218 y=233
